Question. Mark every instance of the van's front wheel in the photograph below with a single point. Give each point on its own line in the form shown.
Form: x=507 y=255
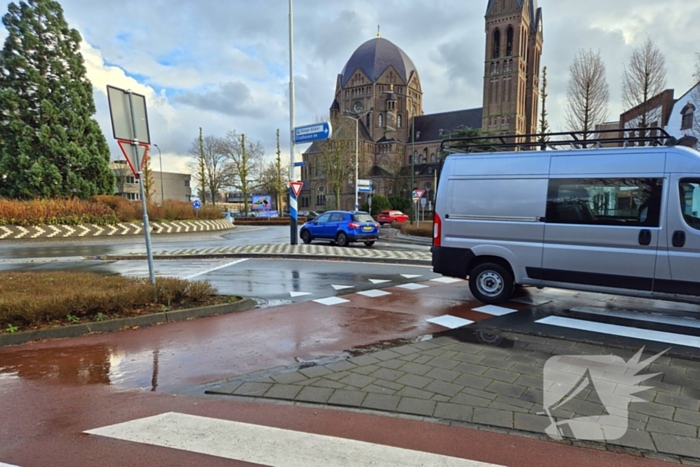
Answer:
x=491 y=283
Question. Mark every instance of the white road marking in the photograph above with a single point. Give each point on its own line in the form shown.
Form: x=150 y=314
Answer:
x=379 y=281
x=640 y=316
x=331 y=301
x=449 y=321
x=7 y=465
x=412 y=286
x=411 y=276
x=216 y=268
x=268 y=446
x=622 y=331
x=447 y=280
x=374 y=293
x=494 y=310
x=299 y=294
x=343 y=287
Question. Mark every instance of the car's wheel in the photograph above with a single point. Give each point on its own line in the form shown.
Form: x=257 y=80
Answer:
x=491 y=283
x=306 y=237
x=369 y=244
x=342 y=239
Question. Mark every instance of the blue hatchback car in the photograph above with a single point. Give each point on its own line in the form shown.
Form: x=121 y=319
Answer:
x=343 y=227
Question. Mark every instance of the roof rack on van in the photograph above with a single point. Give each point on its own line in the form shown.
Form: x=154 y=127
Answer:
x=651 y=136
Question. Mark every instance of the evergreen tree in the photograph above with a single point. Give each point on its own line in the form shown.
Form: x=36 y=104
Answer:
x=544 y=121
x=50 y=144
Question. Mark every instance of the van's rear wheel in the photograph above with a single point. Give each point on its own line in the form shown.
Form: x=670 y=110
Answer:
x=491 y=283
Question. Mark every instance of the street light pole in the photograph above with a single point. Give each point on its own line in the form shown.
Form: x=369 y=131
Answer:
x=357 y=154
x=162 y=191
x=413 y=162
x=292 y=200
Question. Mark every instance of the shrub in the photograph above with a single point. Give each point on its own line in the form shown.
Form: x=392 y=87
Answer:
x=401 y=204
x=425 y=229
x=379 y=203
x=100 y=210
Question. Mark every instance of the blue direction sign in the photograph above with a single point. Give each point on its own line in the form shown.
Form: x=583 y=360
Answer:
x=310 y=133
x=197 y=204
x=300 y=164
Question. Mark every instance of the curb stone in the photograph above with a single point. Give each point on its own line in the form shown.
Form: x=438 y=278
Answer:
x=77 y=330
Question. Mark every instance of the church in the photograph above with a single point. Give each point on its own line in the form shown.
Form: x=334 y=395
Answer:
x=379 y=102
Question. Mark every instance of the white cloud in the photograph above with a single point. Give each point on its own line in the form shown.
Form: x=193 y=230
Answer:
x=224 y=65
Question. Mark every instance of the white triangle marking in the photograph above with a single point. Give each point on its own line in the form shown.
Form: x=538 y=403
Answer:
x=379 y=281
x=299 y=294
x=343 y=287
x=411 y=276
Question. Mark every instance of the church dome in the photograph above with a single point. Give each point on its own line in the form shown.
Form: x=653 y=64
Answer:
x=374 y=57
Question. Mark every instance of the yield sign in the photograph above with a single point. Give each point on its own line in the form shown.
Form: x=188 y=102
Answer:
x=296 y=188
x=128 y=151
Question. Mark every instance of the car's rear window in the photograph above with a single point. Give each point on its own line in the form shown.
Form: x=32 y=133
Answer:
x=385 y=213
x=362 y=218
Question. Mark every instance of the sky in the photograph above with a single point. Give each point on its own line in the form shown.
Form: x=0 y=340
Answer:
x=223 y=65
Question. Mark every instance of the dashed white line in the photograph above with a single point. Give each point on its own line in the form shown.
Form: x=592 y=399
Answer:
x=374 y=293
x=449 y=321
x=494 y=310
x=447 y=280
x=412 y=286
x=331 y=301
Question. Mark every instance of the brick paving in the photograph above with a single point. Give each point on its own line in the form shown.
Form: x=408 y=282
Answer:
x=476 y=384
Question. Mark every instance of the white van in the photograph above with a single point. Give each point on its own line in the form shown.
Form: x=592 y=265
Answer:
x=617 y=220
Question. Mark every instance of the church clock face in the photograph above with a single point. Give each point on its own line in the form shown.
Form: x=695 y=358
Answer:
x=358 y=107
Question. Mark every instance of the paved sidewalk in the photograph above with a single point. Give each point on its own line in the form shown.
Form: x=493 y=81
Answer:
x=462 y=382
x=279 y=250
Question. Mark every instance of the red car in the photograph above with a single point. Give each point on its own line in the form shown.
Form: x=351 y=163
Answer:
x=387 y=217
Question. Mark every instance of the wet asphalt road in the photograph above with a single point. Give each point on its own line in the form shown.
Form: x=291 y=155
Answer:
x=270 y=281
x=243 y=235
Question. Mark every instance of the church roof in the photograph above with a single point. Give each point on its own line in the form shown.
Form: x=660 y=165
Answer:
x=374 y=57
x=428 y=126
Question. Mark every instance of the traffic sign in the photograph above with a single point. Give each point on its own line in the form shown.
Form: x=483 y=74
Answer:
x=300 y=164
x=123 y=125
x=315 y=132
x=127 y=150
x=296 y=188
x=423 y=202
x=197 y=204
x=417 y=194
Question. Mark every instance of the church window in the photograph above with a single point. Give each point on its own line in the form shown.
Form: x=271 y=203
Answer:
x=509 y=42
x=432 y=157
x=381 y=121
x=496 y=44
x=368 y=121
x=688 y=114
x=399 y=121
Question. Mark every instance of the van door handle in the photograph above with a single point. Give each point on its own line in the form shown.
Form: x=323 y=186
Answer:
x=645 y=237
x=678 y=239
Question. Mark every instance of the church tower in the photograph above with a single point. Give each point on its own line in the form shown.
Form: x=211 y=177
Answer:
x=514 y=41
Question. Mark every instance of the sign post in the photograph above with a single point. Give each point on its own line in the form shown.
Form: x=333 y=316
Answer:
x=301 y=134
x=417 y=195
x=129 y=122
x=423 y=202
x=197 y=205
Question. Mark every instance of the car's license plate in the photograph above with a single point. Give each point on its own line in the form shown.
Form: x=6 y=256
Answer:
x=367 y=228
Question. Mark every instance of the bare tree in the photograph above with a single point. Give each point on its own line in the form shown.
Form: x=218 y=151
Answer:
x=644 y=78
x=274 y=178
x=198 y=166
x=544 y=122
x=245 y=158
x=213 y=173
x=335 y=159
x=588 y=92
x=148 y=181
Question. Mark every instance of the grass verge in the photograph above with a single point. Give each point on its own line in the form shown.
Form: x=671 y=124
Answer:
x=35 y=300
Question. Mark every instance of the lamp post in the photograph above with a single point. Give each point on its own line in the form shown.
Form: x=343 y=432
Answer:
x=162 y=191
x=413 y=162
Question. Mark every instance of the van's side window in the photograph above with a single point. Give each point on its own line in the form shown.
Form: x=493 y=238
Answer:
x=610 y=201
x=690 y=201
